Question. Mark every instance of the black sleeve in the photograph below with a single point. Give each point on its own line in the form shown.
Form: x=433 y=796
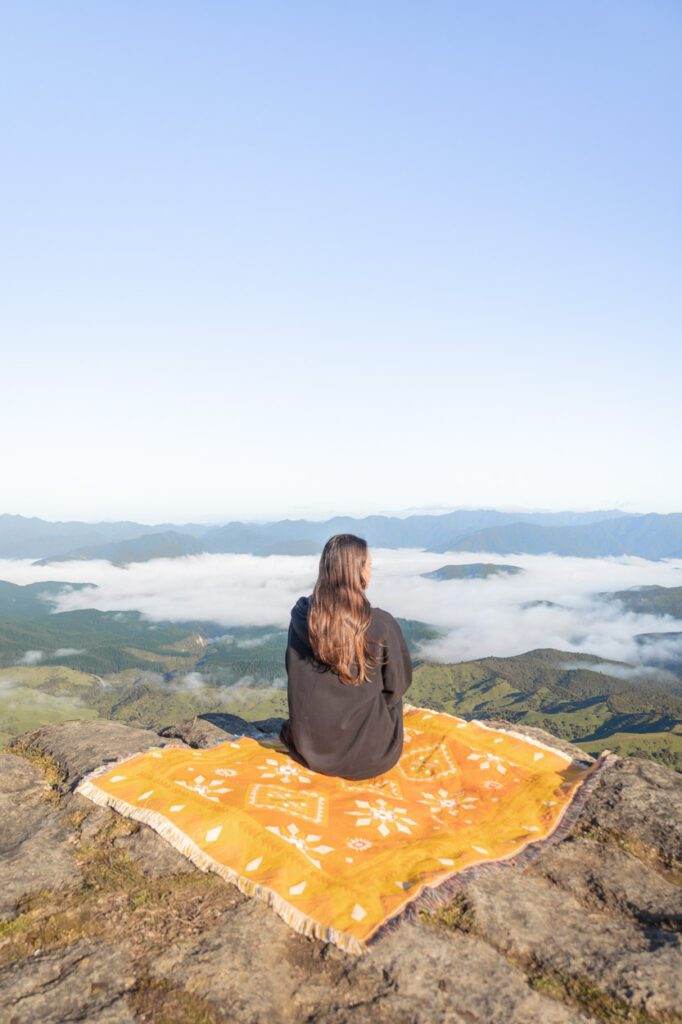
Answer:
x=286 y=653
x=397 y=665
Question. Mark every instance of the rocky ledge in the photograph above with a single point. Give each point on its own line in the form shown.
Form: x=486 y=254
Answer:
x=101 y=921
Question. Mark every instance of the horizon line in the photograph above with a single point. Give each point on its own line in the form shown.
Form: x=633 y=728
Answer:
x=295 y=516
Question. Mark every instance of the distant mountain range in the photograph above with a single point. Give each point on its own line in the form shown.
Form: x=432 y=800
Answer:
x=650 y=536
x=30 y=537
x=168 y=544
x=587 y=534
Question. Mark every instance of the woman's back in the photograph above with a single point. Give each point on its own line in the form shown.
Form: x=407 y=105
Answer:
x=351 y=730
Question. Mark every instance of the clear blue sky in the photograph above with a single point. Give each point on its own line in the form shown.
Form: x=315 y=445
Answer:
x=264 y=258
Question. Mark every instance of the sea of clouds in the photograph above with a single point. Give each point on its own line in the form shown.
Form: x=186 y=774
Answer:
x=477 y=617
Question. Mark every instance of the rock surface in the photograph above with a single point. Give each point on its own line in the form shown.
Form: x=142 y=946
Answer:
x=35 y=848
x=74 y=750
x=86 y=981
x=208 y=730
x=104 y=922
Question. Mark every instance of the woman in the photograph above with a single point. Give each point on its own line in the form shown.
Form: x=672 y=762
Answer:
x=347 y=667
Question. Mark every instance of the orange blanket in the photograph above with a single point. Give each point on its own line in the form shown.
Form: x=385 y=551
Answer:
x=338 y=859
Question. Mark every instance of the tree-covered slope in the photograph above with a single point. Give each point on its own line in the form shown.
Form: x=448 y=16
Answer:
x=570 y=695
x=651 y=600
x=472 y=571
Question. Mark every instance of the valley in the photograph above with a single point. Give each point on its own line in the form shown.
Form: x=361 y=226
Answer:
x=84 y=664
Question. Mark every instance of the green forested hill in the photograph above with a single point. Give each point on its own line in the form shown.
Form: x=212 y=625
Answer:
x=90 y=640
x=652 y=600
x=472 y=571
x=565 y=694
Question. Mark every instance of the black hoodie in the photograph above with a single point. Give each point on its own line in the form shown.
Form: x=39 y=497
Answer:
x=355 y=732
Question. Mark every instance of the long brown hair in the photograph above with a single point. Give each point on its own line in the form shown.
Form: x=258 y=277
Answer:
x=339 y=611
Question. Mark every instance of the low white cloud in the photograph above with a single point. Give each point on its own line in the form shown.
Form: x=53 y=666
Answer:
x=66 y=652
x=256 y=641
x=246 y=695
x=17 y=692
x=477 y=617
x=230 y=589
x=31 y=658
x=191 y=683
x=230 y=640
x=632 y=673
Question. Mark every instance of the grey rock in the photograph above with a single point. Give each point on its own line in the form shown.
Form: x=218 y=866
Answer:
x=256 y=969
x=92 y=818
x=446 y=976
x=152 y=854
x=79 y=747
x=530 y=920
x=605 y=877
x=240 y=965
x=591 y=915
x=640 y=803
x=22 y=800
x=84 y=982
x=210 y=729
x=36 y=848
